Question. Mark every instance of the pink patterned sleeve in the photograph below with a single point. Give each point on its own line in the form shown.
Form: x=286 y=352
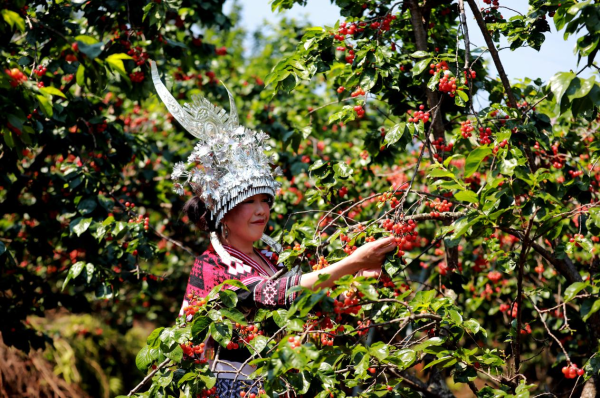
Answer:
x=268 y=293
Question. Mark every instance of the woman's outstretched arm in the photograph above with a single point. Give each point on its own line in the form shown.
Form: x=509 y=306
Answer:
x=367 y=257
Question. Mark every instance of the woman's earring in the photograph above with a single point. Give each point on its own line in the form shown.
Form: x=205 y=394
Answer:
x=225 y=231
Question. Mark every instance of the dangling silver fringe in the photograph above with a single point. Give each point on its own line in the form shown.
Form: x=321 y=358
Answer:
x=226 y=257
x=271 y=242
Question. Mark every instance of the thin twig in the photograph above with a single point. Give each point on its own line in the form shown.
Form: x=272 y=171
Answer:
x=148 y=377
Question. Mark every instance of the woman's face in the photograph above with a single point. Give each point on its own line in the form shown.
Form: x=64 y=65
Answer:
x=247 y=221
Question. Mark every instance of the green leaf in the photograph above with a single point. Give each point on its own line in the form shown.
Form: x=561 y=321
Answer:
x=456 y=317
x=443 y=361
x=259 y=342
x=462 y=98
x=395 y=133
x=462 y=225
x=235 y=283
x=89 y=40
x=200 y=324
x=80 y=75
x=579 y=88
x=420 y=66
x=573 y=290
x=280 y=317
x=403 y=358
x=80 y=225
x=145 y=358
x=228 y=298
x=153 y=340
x=474 y=327
x=342 y=170
x=186 y=377
x=45 y=105
x=594 y=308
x=559 y=84
x=74 y=272
x=89 y=272
x=234 y=314
x=419 y=54
x=116 y=62
x=52 y=91
x=368 y=79
x=221 y=332
x=87 y=206
x=12 y=18
x=467 y=196
x=176 y=354
x=368 y=290
x=164 y=380
x=92 y=51
x=379 y=350
x=475 y=158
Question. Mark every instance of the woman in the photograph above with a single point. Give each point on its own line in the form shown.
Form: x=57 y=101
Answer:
x=234 y=186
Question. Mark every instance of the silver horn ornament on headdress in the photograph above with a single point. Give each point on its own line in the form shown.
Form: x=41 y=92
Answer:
x=228 y=164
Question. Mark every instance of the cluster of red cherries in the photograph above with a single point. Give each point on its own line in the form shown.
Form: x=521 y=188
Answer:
x=494 y=3
x=572 y=371
x=357 y=92
x=415 y=116
x=438 y=206
x=485 y=135
x=138 y=54
x=557 y=164
x=405 y=234
x=348 y=249
x=465 y=129
x=320 y=264
x=440 y=66
x=350 y=56
x=137 y=77
x=17 y=77
x=193 y=352
x=348 y=306
x=139 y=220
x=245 y=335
x=360 y=111
x=494 y=276
x=194 y=304
x=502 y=144
x=448 y=84
x=441 y=147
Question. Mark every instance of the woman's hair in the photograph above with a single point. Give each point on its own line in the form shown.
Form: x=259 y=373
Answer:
x=198 y=214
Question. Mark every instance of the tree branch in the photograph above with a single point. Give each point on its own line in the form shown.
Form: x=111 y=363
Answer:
x=148 y=377
x=512 y=101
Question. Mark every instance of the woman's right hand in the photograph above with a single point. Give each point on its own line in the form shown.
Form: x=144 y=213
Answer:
x=372 y=254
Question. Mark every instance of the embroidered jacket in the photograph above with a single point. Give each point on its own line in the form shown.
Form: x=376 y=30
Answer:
x=209 y=271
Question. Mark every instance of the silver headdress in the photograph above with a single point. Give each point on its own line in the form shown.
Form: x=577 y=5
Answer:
x=228 y=164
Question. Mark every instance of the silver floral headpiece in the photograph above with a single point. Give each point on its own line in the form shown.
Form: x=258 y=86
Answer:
x=228 y=164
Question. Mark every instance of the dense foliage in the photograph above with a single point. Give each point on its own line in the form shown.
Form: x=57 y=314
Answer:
x=495 y=284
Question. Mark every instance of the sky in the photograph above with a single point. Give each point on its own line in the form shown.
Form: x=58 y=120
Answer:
x=556 y=54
